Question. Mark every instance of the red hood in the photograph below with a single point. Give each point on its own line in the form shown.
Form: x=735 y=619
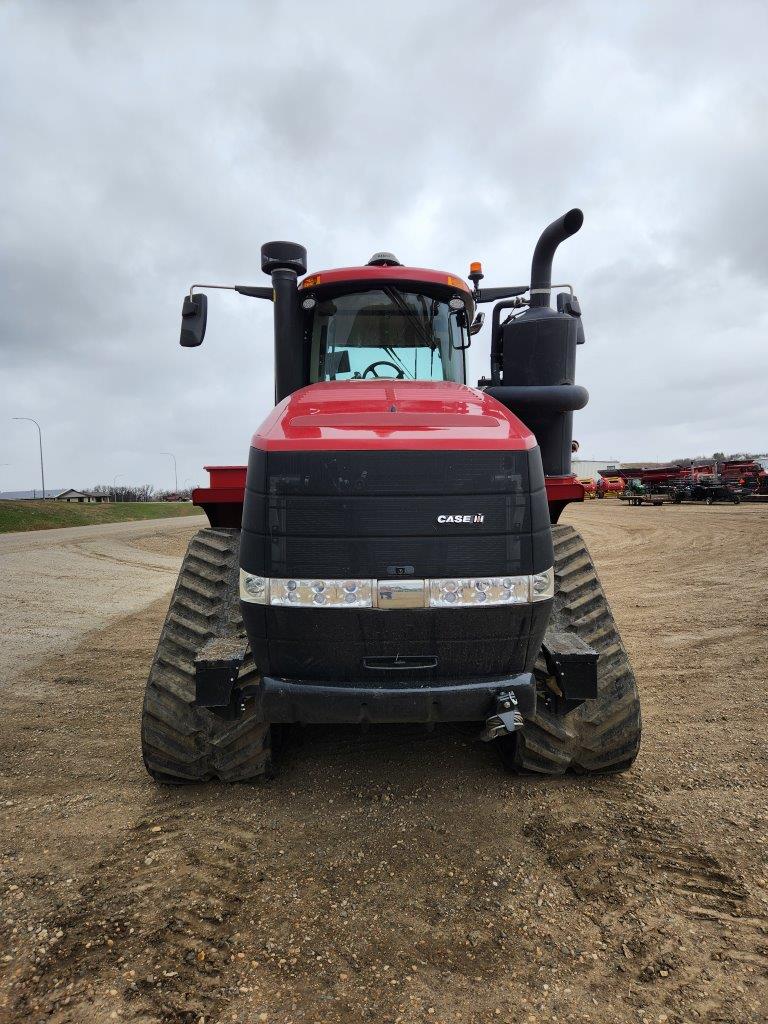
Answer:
x=407 y=414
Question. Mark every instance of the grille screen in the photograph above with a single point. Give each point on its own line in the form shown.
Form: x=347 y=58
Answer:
x=364 y=513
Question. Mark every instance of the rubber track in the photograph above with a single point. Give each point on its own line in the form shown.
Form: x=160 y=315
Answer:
x=181 y=743
x=603 y=735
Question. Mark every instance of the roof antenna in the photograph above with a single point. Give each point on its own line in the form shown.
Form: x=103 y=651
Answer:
x=384 y=259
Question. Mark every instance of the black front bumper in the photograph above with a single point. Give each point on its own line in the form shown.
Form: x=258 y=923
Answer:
x=311 y=703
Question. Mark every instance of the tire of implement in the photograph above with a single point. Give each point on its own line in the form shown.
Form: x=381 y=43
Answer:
x=601 y=736
x=181 y=743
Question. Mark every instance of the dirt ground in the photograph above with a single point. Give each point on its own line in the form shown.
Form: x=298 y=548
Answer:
x=401 y=876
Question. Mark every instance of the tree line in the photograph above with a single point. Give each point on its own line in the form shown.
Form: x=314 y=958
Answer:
x=140 y=492
x=717 y=457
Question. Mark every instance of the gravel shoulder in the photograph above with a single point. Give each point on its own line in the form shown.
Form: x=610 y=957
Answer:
x=401 y=876
x=59 y=584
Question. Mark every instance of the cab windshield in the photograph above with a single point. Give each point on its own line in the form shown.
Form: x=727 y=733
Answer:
x=386 y=333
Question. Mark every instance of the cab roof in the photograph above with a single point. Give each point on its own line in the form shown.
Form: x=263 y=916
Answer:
x=388 y=274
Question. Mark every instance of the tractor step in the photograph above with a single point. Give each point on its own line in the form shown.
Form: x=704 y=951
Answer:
x=217 y=667
x=572 y=663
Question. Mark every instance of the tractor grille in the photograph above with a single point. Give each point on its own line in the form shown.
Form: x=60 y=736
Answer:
x=364 y=514
x=374 y=515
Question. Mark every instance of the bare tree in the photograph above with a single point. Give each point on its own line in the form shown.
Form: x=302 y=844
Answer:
x=126 y=492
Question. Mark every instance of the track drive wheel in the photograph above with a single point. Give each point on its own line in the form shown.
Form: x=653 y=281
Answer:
x=180 y=742
x=601 y=736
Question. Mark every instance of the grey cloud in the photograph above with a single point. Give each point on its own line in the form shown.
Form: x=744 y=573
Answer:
x=146 y=146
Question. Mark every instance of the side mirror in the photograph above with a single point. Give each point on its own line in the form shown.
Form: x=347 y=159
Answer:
x=477 y=323
x=567 y=303
x=463 y=322
x=194 y=316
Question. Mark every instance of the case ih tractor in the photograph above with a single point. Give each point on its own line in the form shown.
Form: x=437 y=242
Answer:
x=393 y=553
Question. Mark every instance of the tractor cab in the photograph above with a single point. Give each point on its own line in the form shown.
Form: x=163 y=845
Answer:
x=385 y=321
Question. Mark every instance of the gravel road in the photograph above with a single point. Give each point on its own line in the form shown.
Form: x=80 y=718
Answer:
x=395 y=876
x=58 y=584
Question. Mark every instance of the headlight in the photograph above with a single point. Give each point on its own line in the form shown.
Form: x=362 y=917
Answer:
x=321 y=593
x=471 y=592
x=462 y=593
x=253 y=588
x=543 y=585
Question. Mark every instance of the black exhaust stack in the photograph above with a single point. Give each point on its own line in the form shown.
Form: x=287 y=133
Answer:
x=285 y=262
x=533 y=355
x=544 y=253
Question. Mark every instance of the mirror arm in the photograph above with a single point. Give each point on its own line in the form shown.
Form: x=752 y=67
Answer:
x=492 y=294
x=543 y=291
x=194 y=312
x=252 y=291
x=255 y=292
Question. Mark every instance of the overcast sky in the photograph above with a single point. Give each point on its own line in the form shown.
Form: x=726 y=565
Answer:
x=144 y=146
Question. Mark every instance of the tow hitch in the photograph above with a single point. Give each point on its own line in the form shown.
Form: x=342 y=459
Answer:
x=506 y=718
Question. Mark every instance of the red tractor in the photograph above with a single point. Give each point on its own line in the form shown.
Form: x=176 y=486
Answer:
x=392 y=553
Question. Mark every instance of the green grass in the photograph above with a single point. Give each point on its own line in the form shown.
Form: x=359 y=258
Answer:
x=48 y=515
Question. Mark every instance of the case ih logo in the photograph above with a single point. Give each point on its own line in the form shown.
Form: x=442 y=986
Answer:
x=478 y=517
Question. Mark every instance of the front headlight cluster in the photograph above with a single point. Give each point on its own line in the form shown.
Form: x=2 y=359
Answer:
x=491 y=590
x=470 y=592
x=321 y=593
x=296 y=593
x=453 y=593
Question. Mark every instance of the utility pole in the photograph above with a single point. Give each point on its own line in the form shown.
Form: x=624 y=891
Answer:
x=40 y=439
x=114 y=485
x=175 y=474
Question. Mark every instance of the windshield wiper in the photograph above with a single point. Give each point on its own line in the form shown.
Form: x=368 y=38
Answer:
x=391 y=352
x=421 y=326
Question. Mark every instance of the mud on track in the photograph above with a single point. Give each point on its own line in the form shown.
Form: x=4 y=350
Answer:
x=400 y=875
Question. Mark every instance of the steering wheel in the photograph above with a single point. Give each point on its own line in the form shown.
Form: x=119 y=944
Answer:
x=383 y=362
